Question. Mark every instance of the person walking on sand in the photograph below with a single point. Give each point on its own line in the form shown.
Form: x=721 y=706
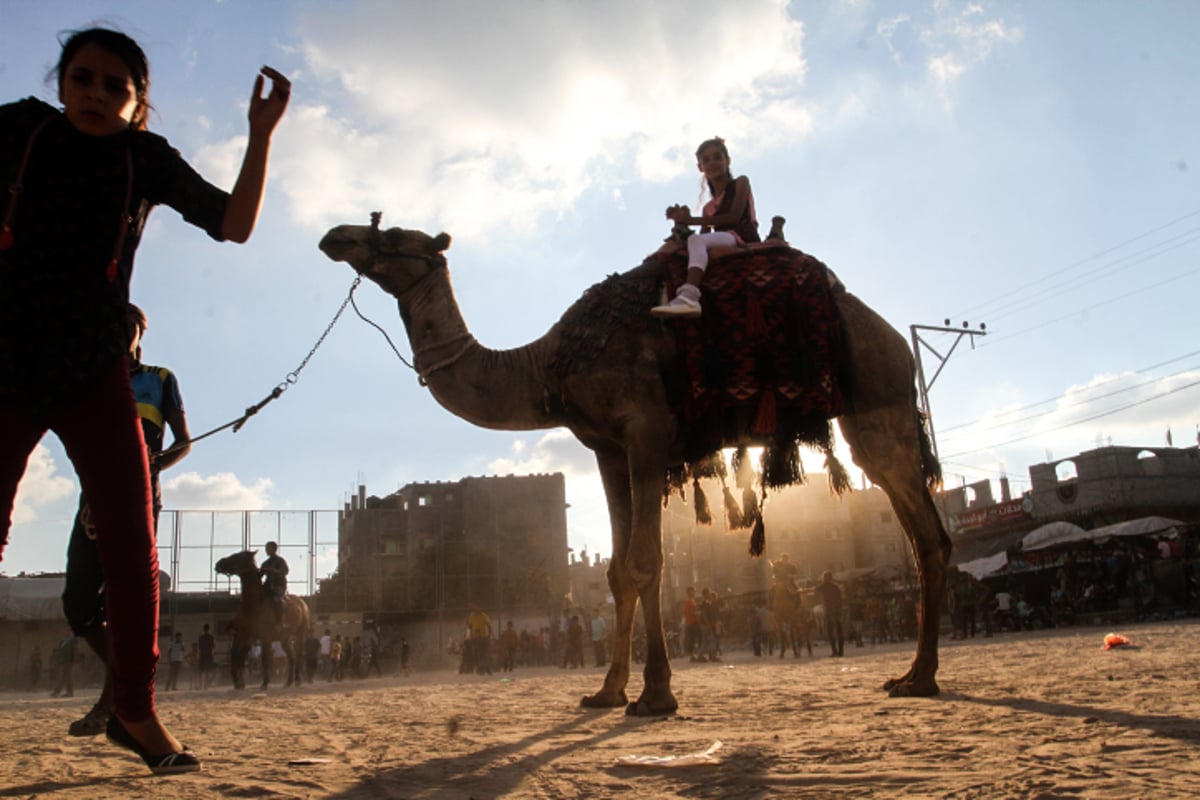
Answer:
x=599 y=638
x=64 y=658
x=831 y=598
x=479 y=626
x=86 y=177
x=208 y=647
x=176 y=653
x=159 y=406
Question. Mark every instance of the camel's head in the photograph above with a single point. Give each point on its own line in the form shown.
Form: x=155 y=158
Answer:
x=237 y=564
x=395 y=258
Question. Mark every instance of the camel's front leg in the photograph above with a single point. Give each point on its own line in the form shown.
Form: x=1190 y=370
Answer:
x=614 y=472
x=644 y=563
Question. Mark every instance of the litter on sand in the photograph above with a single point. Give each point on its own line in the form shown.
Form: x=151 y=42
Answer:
x=688 y=760
x=307 y=762
x=1116 y=640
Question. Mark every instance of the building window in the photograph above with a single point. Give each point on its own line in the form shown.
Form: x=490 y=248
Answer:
x=424 y=500
x=885 y=517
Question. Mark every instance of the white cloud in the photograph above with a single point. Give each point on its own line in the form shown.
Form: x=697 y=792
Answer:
x=949 y=40
x=220 y=491
x=559 y=451
x=40 y=486
x=555 y=451
x=480 y=118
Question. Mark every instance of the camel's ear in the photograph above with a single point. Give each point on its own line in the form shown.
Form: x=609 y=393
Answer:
x=441 y=242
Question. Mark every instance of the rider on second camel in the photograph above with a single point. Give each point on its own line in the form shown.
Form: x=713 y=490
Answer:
x=274 y=571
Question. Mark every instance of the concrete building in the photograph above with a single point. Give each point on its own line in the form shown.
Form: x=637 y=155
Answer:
x=498 y=542
x=1091 y=489
x=1116 y=484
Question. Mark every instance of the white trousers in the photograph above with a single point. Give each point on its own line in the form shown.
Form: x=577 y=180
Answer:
x=698 y=245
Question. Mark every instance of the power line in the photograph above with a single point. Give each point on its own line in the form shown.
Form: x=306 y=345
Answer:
x=1080 y=402
x=1092 y=418
x=1101 y=272
x=1081 y=262
x=1120 y=299
x=1102 y=383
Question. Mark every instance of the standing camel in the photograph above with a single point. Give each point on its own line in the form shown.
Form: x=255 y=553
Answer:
x=255 y=619
x=618 y=407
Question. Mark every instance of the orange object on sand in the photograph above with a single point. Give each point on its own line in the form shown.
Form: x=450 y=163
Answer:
x=1116 y=640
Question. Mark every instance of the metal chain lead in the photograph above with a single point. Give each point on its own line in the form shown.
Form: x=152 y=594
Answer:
x=294 y=375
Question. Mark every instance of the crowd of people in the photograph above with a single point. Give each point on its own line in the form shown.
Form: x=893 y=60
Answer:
x=565 y=643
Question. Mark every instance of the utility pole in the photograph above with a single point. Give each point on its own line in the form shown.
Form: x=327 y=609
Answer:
x=925 y=385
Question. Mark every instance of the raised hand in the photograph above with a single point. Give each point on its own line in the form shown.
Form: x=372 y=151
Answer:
x=265 y=112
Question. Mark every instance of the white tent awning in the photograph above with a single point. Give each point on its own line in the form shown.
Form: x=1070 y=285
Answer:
x=981 y=568
x=1056 y=533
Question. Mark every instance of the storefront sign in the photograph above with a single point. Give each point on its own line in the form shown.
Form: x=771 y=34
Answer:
x=1021 y=508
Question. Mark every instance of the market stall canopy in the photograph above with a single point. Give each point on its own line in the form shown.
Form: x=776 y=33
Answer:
x=984 y=557
x=1051 y=536
x=981 y=568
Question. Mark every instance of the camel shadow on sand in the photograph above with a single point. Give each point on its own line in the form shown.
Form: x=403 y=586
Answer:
x=1185 y=729
x=498 y=769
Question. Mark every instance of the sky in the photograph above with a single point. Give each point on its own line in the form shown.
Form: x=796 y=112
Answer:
x=1033 y=167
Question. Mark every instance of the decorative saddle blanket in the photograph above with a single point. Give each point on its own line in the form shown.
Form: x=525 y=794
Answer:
x=768 y=342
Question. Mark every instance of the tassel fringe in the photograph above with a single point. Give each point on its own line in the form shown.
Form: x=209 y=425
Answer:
x=839 y=479
x=700 y=503
x=758 y=538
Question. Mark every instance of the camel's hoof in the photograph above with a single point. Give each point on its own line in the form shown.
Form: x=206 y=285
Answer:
x=645 y=708
x=603 y=700
x=913 y=689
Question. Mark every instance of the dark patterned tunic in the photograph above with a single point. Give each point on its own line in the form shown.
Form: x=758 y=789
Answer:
x=61 y=319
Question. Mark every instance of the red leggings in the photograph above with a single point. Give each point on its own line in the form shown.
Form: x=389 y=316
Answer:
x=103 y=438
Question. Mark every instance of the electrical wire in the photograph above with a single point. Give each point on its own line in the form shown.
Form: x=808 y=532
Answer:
x=1058 y=397
x=1074 y=423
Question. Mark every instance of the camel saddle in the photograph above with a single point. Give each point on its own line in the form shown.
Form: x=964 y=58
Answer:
x=763 y=359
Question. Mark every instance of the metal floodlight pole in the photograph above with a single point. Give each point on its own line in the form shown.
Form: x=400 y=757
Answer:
x=924 y=385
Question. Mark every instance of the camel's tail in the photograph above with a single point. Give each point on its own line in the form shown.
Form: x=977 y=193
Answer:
x=930 y=466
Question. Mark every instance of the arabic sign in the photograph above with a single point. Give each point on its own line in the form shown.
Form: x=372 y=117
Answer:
x=1020 y=508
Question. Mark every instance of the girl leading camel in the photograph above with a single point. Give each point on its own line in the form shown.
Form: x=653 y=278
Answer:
x=81 y=183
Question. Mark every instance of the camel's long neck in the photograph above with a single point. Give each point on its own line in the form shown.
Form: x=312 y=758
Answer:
x=499 y=389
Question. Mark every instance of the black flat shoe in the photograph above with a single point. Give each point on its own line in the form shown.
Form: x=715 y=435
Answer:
x=168 y=764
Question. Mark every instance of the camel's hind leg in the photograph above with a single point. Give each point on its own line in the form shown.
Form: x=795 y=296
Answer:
x=886 y=441
x=876 y=449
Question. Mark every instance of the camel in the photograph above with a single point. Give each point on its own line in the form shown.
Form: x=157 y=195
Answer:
x=618 y=408
x=255 y=620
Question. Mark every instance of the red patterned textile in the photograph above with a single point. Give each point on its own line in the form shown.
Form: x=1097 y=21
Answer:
x=765 y=353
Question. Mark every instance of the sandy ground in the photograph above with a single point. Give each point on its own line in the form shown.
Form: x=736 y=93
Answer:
x=1031 y=715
